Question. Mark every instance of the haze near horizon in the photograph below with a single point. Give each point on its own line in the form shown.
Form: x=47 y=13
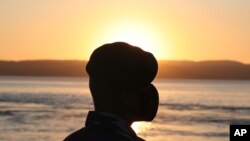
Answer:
x=170 y=29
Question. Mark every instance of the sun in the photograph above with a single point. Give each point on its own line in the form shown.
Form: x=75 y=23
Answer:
x=134 y=35
x=138 y=34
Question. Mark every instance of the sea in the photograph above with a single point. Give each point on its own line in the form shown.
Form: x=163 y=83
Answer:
x=50 y=108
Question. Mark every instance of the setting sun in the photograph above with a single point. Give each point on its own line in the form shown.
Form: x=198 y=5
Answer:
x=138 y=34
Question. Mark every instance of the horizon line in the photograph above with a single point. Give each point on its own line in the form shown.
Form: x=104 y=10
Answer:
x=177 y=60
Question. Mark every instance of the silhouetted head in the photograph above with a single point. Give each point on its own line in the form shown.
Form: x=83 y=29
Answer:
x=120 y=81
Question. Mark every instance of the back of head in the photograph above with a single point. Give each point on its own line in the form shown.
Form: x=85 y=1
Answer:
x=119 y=67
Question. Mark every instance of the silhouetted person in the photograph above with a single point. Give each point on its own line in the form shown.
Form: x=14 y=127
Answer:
x=120 y=77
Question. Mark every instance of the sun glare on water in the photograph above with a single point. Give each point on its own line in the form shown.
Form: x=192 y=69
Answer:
x=140 y=127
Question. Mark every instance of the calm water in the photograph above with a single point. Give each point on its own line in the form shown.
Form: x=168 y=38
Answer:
x=48 y=109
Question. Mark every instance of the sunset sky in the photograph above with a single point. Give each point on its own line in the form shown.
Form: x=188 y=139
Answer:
x=171 y=29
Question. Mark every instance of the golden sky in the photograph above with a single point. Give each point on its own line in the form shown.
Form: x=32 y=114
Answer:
x=171 y=29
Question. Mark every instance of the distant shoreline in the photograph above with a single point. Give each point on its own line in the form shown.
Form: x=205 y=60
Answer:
x=219 y=70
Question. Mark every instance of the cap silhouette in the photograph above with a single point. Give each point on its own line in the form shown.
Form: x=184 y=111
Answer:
x=122 y=65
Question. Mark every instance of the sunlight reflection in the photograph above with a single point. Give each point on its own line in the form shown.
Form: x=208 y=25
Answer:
x=140 y=127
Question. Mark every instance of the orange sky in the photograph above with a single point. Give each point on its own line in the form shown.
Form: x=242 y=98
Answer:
x=171 y=29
